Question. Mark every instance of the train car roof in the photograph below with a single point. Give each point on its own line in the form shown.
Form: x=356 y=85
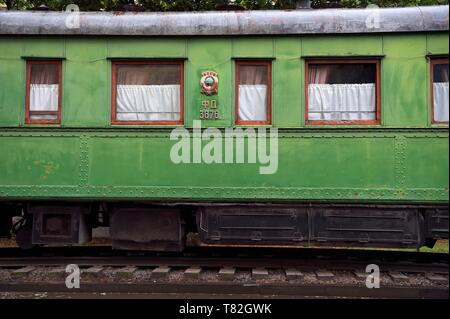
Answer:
x=328 y=21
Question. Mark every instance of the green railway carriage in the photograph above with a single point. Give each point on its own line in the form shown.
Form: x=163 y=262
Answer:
x=292 y=128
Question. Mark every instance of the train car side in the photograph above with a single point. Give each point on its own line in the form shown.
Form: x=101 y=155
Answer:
x=380 y=183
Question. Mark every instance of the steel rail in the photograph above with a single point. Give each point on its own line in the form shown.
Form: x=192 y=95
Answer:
x=305 y=265
x=237 y=290
x=307 y=260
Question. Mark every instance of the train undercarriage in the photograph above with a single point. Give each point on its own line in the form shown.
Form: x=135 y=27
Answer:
x=165 y=226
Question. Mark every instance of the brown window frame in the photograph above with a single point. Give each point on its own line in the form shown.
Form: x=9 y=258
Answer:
x=433 y=62
x=115 y=63
x=265 y=62
x=377 y=63
x=28 y=113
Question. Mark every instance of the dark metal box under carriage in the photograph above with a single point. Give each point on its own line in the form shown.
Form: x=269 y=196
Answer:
x=60 y=224
x=147 y=228
x=165 y=226
x=304 y=226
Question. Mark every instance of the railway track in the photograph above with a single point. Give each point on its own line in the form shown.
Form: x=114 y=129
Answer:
x=308 y=273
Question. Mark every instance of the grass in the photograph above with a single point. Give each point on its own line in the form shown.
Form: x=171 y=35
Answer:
x=441 y=246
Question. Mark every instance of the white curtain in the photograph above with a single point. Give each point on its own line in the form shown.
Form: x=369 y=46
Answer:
x=43 y=97
x=148 y=102
x=253 y=102
x=342 y=102
x=441 y=101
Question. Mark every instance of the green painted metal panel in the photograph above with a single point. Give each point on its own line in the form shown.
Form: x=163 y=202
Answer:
x=342 y=45
x=146 y=162
x=11 y=48
x=126 y=47
x=337 y=162
x=85 y=82
x=365 y=166
x=44 y=47
x=38 y=160
x=211 y=54
x=141 y=161
x=426 y=163
x=437 y=43
x=287 y=79
x=351 y=164
x=304 y=162
x=404 y=81
x=87 y=103
x=248 y=47
x=12 y=81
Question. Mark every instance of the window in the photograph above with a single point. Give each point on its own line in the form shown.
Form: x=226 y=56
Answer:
x=439 y=90
x=43 y=96
x=149 y=92
x=342 y=92
x=253 y=92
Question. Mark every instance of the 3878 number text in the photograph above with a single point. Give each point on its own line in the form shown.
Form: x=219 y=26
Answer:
x=209 y=115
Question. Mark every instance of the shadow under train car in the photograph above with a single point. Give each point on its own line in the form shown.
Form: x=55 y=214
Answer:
x=165 y=227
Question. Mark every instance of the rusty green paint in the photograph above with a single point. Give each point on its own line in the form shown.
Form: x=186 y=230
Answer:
x=87 y=102
x=403 y=160
x=350 y=165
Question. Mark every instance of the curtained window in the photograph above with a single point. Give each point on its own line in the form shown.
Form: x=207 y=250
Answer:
x=253 y=92
x=43 y=92
x=342 y=92
x=440 y=94
x=148 y=92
